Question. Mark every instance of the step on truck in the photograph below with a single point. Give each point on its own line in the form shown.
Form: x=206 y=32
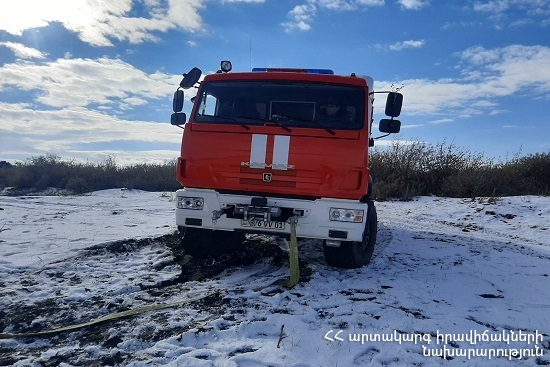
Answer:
x=274 y=149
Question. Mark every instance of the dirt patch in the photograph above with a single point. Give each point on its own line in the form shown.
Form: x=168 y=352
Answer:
x=115 y=277
x=255 y=248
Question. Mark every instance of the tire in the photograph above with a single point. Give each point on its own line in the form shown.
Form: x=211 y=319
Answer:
x=368 y=195
x=355 y=254
x=203 y=243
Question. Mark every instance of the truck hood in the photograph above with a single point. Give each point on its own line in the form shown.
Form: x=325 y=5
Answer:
x=266 y=159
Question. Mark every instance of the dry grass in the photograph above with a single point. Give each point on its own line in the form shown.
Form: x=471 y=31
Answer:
x=40 y=173
x=401 y=171
x=407 y=170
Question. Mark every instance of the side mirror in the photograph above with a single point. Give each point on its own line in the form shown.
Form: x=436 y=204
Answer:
x=178 y=101
x=191 y=78
x=393 y=104
x=178 y=119
x=389 y=126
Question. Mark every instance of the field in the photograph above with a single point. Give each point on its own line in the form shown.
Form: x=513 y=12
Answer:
x=453 y=282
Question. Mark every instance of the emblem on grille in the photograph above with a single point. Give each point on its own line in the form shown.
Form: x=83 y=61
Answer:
x=267 y=177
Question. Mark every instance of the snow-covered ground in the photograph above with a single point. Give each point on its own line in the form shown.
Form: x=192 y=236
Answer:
x=466 y=278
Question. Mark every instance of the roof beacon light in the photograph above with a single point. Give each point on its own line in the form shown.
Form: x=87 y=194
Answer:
x=226 y=66
x=286 y=70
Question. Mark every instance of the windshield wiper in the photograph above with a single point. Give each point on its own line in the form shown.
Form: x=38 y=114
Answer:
x=232 y=119
x=330 y=131
x=277 y=123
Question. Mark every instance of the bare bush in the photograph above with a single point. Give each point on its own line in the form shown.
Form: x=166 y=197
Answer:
x=403 y=170
x=40 y=173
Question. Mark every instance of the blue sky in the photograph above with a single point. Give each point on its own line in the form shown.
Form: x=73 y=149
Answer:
x=85 y=79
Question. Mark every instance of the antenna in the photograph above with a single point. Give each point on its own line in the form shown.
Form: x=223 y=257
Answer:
x=250 y=51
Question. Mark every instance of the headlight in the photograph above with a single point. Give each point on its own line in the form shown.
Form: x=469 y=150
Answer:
x=190 y=203
x=346 y=215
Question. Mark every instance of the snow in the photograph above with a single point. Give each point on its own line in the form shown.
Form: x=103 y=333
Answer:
x=39 y=229
x=444 y=271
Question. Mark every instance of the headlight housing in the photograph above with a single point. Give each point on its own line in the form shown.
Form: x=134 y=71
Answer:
x=346 y=215
x=192 y=203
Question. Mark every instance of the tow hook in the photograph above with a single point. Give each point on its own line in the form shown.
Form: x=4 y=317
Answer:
x=217 y=214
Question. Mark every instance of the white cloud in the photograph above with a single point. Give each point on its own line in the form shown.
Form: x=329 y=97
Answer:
x=370 y=2
x=488 y=75
x=338 y=5
x=492 y=6
x=409 y=126
x=75 y=92
x=512 y=68
x=441 y=121
x=406 y=44
x=23 y=52
x=301 y=16
x=81 y=82
x=97 y=22
x=413 y=4
x=243 y=1
x=297 y=25
x=479 y=55
x=398 y=46
x=133 y=101
x=66 y=131
x=522 y=22
x=501 y=9
x=449 y=25
x=499 y=6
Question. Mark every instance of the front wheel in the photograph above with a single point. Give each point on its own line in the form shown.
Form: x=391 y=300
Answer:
x=355 y=254
x=202 y=243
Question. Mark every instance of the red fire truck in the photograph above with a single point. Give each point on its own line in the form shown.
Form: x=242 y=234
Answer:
x=270 y=147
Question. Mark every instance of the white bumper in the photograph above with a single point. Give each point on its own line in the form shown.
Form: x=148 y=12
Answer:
x=312 y=215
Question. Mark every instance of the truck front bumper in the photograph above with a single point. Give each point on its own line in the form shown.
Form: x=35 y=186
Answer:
x=324 y=218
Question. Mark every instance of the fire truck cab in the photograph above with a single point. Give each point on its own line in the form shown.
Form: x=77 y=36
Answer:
x=263 y=148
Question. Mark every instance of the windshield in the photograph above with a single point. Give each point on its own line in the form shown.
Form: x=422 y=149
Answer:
x=300 y=104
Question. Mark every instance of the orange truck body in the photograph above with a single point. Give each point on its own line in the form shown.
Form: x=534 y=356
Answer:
x=279 y=152
x=217 y=156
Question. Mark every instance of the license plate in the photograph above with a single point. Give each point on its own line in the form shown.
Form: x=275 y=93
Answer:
x=279 y=226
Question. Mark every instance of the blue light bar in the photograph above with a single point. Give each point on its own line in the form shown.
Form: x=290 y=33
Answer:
x=320 y=71
x=287 y=70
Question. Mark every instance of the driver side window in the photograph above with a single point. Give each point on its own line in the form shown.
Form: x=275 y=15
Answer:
x=209 y=105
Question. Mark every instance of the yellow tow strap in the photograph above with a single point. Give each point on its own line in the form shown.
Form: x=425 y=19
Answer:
x=293 y=255
x=293 y=259
x=110 y=317
x=288 y=282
